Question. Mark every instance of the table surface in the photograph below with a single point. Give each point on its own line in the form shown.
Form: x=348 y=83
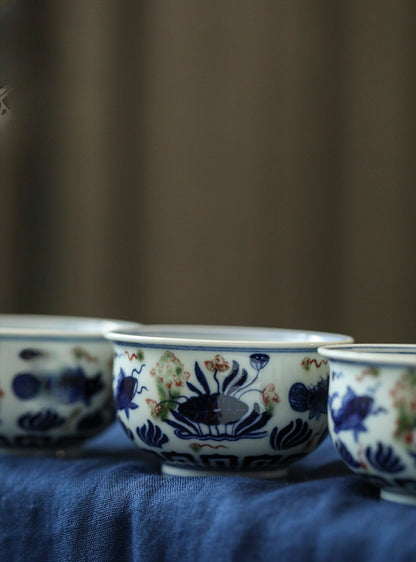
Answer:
x=112 y=504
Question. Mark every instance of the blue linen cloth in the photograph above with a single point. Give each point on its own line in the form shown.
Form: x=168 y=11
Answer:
x=111 y=504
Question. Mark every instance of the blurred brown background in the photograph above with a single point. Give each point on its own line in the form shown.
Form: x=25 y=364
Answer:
x=229 y=162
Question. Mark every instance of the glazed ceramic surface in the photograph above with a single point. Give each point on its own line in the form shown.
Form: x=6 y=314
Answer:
x=216 y=399
x=372 y=414
x=55 y=380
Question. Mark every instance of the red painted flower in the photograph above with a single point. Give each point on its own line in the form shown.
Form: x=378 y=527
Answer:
x=217 y=364
x=408 y=438
x=154 y=407
x=269 y=395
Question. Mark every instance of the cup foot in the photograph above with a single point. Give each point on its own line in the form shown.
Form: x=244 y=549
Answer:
x=398 y=497
x=168 y=469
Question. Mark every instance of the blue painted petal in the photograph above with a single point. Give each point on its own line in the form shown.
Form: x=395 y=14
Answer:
x=384 y=459
x=234 y=372
x=201 y=378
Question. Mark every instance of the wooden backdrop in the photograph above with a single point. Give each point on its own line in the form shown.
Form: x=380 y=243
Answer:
x=230 y=162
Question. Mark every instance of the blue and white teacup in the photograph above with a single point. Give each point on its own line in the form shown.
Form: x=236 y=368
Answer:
x=222 y=400
x=372 y=414
x=55 y=381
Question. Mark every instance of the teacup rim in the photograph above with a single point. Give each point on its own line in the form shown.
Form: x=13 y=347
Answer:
x=173 y=335
x=371 y=353
x=58 y=326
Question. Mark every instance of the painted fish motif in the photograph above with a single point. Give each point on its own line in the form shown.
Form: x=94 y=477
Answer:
x=313 y=398
x=71 y=386
x=213 y=409
x=125 y=392
x=352 y=412
x=75 y=386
